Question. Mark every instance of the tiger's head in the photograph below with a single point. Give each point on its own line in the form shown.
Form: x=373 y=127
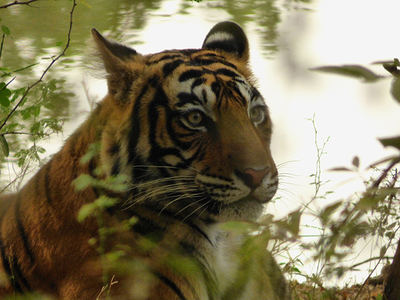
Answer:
x=189 y=128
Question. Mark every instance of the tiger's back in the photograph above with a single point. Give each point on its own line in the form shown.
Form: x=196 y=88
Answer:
x=190 y=134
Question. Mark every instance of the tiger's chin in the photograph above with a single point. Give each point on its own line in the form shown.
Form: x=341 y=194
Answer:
x=245 y=209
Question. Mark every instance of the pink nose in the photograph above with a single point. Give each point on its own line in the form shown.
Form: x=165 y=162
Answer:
x=252 y=177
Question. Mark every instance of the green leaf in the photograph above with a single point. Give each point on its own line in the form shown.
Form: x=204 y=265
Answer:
x=82 y=182
x=369 y=201
x=105 y=202
x=4 y=146
x=393 y=142
x=86 y=211
x=395 y=89
x=5 y=30
x=58 y=44
x=4 y=97
x=392 y=67
x=355 y=71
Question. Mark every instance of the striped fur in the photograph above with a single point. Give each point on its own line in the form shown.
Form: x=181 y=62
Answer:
x=191 y=134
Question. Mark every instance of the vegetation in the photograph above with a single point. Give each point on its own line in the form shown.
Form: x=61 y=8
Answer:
x=33 y=108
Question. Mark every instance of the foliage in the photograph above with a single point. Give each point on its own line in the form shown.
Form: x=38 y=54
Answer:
x=375 y=213
x=26 y=111
x=27 y=120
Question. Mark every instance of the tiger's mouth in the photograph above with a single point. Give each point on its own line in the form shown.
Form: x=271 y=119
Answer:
x=183 y=197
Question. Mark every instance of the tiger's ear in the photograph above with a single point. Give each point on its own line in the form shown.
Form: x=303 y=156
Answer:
x=229 y=37
x=115 y=57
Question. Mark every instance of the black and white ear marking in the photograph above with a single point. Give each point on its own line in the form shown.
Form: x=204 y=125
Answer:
x=229 y=37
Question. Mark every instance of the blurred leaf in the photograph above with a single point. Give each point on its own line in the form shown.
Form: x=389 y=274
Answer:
x=395 y=89
x=355 y=71
x=392 y=67
x=5 y=29
x=294 y=222
x=393 y=142
x=105 y=202
x=86 y=211
x=341 y=169
x=356 y=161
x=236 y=226
x=4 y=146
x=58 y=44
x=382 y=251
x=369 y=201
x=328 y=211
x=82 y=182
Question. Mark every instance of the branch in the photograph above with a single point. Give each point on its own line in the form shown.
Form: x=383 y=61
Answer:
x=18 y=2
x=15 y=133
x=46 y=70
x=369 y=260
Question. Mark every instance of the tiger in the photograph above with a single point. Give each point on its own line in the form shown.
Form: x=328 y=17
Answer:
x=189 y=134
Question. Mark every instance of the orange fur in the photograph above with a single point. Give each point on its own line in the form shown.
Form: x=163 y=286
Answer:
x=145 y=135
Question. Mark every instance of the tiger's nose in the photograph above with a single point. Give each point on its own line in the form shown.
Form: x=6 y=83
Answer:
x=252 y=177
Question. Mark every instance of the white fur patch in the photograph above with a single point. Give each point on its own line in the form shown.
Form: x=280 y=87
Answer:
x=219 y=36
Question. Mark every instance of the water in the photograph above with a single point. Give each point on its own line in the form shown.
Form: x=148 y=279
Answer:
x=287 y=38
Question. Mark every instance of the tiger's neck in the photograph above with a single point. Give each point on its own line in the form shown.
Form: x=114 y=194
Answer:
x=54 y=181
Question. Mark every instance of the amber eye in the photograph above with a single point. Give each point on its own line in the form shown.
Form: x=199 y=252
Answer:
x=194 y=118
x=257 y=114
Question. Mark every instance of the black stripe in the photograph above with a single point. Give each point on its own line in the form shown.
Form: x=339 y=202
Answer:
x=198 y=82
x=148 y=229
x=170 y=67
x=188 y=223
x=195 y=227
x=221 y=60
x=113 y=149
x=203 y=62
x=165 y=57
x=170 y=284
x=115 y=169
x=216 y=88
x=21 y=230
x=193 y=73
x=227 y=72
x=19 y=278
x=241 y=99
x=185 y=98
x=135 y=125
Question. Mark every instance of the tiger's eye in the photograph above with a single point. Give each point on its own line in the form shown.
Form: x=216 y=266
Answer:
x=257 y=114
x=195 y=118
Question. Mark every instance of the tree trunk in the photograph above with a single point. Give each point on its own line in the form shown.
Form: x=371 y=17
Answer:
x=392 y=287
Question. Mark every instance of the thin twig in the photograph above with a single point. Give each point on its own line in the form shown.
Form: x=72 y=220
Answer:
x=15 y=132
x=377 y=264
x=385 y=172
x=18 y=3
x=369 y=260
x=8 y=83
x=45 y=71
x=2 y=43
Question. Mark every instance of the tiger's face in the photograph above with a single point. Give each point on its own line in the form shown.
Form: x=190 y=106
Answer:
x=194 y=135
